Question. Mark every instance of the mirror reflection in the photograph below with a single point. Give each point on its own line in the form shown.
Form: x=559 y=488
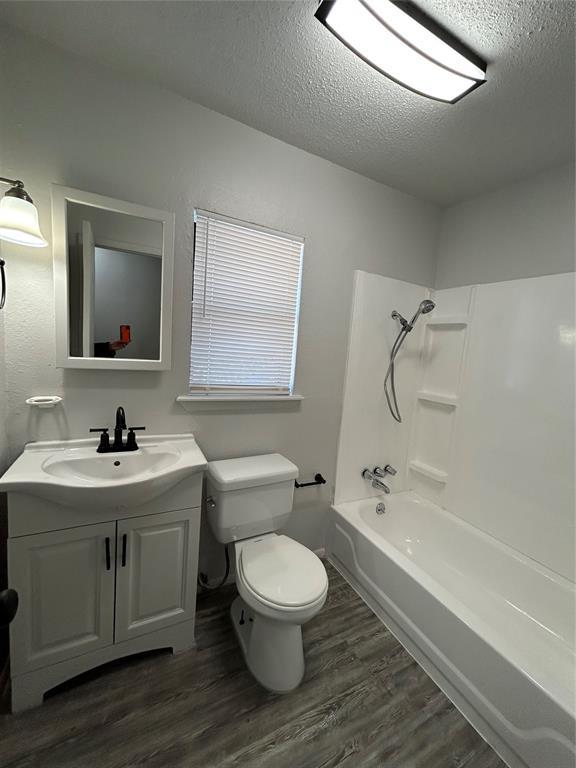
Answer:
x=114 y=283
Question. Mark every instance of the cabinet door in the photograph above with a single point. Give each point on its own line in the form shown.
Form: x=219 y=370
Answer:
x=65 y=582
x=156 y=572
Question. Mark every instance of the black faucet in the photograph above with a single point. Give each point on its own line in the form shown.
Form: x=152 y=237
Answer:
x=118 y=444
x=119 y=429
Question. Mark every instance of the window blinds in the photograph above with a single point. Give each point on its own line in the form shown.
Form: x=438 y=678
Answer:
x=245 y=307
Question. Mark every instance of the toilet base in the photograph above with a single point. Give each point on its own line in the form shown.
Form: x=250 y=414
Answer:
x=272 y=649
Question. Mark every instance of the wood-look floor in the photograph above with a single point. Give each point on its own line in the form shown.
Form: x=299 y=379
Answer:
x=364 y=703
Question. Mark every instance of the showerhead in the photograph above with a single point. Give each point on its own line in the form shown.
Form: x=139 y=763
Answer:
x=426 y=306
x=423 y=308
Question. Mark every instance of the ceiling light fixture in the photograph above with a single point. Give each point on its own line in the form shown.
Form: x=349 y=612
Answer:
x=18 y=223
x=406 y=45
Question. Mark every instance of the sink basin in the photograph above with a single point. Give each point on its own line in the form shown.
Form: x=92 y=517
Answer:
x=72 y=473
x=75 y=465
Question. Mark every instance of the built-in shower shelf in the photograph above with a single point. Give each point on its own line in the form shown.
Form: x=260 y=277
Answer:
x=432 y=397
x=428 y=471
x=449 y=320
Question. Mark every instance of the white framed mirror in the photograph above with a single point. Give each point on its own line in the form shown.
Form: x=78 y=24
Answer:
x=113 y=282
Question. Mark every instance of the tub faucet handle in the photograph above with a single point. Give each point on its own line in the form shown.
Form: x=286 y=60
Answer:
x=382 y=472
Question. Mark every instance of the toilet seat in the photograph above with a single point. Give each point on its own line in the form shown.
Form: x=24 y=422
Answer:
x=281 y=573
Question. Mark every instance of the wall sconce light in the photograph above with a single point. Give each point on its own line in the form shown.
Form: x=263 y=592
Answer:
x=18 y=223
x=405 y=44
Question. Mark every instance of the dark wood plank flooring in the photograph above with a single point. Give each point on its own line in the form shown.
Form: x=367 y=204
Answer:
x=364 y=703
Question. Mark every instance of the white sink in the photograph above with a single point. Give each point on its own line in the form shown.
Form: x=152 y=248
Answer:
x=70 y=472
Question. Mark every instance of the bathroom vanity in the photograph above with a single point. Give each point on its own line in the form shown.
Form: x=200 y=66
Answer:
x=103 y=552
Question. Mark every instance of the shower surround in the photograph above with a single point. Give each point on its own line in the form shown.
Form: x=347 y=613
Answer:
x=485 y=459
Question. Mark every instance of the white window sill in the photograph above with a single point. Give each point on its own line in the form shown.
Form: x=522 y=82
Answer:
x=234 y=402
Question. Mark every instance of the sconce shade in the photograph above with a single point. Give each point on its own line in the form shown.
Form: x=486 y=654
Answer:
x=19 y=222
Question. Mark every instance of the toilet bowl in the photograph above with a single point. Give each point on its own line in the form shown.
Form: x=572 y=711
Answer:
x=281 y=584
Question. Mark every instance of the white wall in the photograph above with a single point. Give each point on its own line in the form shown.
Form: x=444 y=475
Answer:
x=512 y=462
x=369 y=436
x=67 y=122
x=524 y=230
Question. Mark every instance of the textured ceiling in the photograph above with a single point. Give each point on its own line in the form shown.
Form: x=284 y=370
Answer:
x=271 y=65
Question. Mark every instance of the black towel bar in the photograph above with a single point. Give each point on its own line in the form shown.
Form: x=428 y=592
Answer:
x=318 y=480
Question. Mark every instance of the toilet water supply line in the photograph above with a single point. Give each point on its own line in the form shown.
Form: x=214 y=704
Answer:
x=203 y=578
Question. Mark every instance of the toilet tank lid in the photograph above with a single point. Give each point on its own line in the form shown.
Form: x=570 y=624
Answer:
x=250 y=471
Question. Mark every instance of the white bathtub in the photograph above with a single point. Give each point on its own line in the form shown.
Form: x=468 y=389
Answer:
x=494 y=629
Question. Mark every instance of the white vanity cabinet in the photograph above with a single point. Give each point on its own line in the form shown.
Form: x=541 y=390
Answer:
x=66 y=594
x=95 y=585
x=155 y=583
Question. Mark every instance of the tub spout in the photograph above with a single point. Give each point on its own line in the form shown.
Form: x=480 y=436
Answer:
x=380 y=485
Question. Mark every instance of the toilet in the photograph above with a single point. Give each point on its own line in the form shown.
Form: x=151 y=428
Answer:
x=281 y=583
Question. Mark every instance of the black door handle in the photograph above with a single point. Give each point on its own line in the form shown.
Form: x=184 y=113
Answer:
x=124 y=546
x=107 y=541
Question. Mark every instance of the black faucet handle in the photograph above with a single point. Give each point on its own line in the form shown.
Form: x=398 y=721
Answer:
x=131 y=444
x=104 y=445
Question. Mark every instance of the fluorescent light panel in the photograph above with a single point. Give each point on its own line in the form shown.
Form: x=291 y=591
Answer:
x=403 y=43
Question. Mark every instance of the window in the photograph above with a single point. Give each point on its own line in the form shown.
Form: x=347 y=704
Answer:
x=245 y=305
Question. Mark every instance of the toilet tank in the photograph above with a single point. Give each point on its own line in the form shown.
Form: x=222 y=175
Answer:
x=249 y=496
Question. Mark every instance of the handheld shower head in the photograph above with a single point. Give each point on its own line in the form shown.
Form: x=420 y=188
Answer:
x=423 y=308
x=426 y=306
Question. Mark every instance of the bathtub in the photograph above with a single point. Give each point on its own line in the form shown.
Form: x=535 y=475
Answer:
x=494 y=629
